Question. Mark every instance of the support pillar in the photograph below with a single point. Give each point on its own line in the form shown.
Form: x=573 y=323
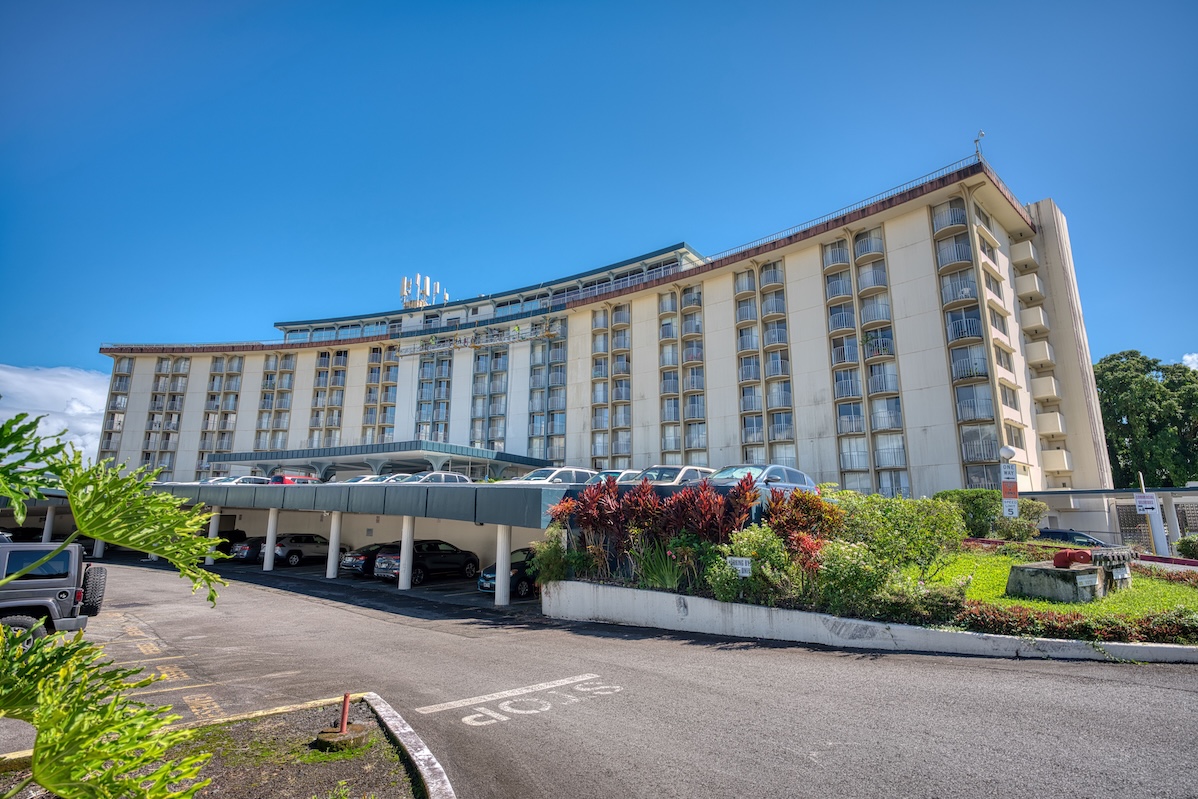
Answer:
x=407 y=546
x=503 y=565
x=272 y=538
x=48 y=528
x=330 y=569
x=213 y=532
x=1169 y=509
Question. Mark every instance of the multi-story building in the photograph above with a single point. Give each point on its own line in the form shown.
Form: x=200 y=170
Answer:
x=893 y=346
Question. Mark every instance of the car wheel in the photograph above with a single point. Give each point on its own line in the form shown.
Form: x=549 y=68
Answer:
x=94 y=580
x=470 y=569
x=523 y=588
x=20 y=624
x=294 y=558
x=417 y=575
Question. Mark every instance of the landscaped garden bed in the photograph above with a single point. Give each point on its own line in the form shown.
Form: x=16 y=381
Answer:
x=894 y=561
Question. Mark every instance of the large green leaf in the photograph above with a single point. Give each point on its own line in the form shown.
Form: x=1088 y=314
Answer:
x=28 y=463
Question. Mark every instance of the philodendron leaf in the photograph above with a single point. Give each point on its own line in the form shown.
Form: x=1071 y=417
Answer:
x=25 y=462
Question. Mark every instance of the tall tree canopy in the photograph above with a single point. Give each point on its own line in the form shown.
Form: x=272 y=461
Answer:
x=1150 y=411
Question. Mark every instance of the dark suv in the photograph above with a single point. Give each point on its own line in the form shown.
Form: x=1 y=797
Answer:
x=61 y=593
x=429 y=557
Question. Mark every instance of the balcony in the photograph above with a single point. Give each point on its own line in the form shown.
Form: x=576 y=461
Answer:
x=875 y=313
x=159 y=405
x=599 y=321
x=838 y=288
x=1050 y=425
x=879 y=348
x=693 y=383
x=117 y=426
x=621 y=368
x=949 y=220
x=621 y=448
x=847 y=389
x=668 y=358
x=773 y=307
x=749 y=373
x=870 y=248
x=1029 y=287
x=970 y=368
x=693 y=354
x=744 y=284
x=782 y=432
x=952 y=253
x=599 y=371
x=778 y=400
x=958 y=290
x=497 y=408
x=747 y=343
x=555 y=453
x=557 y=356
x=1057 y=461
x=841 y=321
x=671 y=443
x=692 y=327
x=979 y=451
x=771 y=276
x=667 y=305
x=871 y=279
x=836 y=255
x=118 y=403
x=1046 y=389
x=622 y=419
x=694 y=412
x=854 y=461
x=844 y=355
x=886 y=420
x=883 y=384
x=752 y=435
x=777 y=369
x=746 y=313
x=621 y=317
x=692 y=299
x=1024 y=257
x=557 y=379
x=751 y=402
x=850 y=424
x=496 y=433
x=975 y=410
x=621 y=393
x=1034 y=321
x=669 y=387
x=426 y=373
x=776 y=336
x=959 y=329
x=696 y=442
x=619 y=341
x=890 y=458
x=1040 y=355
x=891 y=492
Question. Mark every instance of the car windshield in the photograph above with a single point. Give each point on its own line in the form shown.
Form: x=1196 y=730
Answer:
x=415 y=478
x=629 y=477
x=738 y=472
x=662 y=473
x=538 y=474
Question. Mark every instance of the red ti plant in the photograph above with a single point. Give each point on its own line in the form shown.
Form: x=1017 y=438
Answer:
x=643 y=509
x=802 y=512
x=806 y=552
x=601 y=517
x=738 y=505
x=677 y=513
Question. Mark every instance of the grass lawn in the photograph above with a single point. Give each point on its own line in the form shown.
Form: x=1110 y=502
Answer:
x=1144 y=597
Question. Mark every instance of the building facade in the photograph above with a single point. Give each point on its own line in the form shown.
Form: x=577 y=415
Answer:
x=895 y=346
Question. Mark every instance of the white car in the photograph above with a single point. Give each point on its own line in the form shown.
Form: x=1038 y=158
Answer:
x=672 y=475
x=552 y=474
x=430 y=477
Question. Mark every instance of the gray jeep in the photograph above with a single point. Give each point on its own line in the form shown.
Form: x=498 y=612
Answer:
x=58 y=595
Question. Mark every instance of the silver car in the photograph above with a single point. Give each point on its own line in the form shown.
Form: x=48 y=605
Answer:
x=293 y=548
x=765 y=476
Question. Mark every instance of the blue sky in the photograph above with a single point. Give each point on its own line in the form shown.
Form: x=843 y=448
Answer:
x=178 y=172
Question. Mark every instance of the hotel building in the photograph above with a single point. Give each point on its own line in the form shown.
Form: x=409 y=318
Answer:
x=893 y=346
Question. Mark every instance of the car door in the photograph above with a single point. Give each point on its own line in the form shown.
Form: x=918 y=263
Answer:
x=319 y=546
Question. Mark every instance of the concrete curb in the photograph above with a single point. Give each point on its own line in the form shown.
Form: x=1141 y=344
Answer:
x=436 y=782
x=578 y=601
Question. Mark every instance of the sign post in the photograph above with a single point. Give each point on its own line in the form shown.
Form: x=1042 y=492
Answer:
x=1010 y=490
x=1149 y=505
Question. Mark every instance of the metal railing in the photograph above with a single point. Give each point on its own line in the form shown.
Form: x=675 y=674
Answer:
x=621 y=317
x=747 y=343
x=692 y=354
x=773 y=306
x=872 y=277
x=854 y=460
x=752 y=372
x=847 y=389
x=782 y=432
x=887 y=420
x=964 y=328
x=850 y=424
x=776 y=335
x=771 y=277
x=744 y=283
x=692 y=300
x=965 y=368
x=953 y=252
x=979 y=451
x=671 y=443
x=693 y=383
x=778 y=399
x=844 y=355
x=834 y=255
x=692 y=327
x=669 y=387
x=949 y=217
x=890 y=458
x=840 y=287
x=879 y=384
x=752 y=435
x=599 y=321
x=841 y=321
x=953 y=289
x=974 y=410
x=746 y=313
x=870 y=245
x=751 y=402
x=777 y=368
x=696 y=442
x=694 y=411
x=875 y=312
x=877 y=347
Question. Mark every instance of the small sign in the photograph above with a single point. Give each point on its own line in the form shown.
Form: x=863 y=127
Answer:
x=1010 y=490
x=1007 y=473
x=1087 y=580
x=1145 y=503
x=743 y=566
x=1121 y=573
x=1010 y=508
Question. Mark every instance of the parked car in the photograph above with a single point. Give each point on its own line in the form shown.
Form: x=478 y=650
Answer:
x=549 y=474
x=228 y=539
x=616 y=474
x=1071 y=537
x=365 y=478
x=60 y=594
x=293 y=548
x=765 y=476
x=293 y=479
x=432 y=477
x=672 y=475
x=361 y=560
x=246 y=480
x=249 y=550
x=429 y=557
x=522 y=583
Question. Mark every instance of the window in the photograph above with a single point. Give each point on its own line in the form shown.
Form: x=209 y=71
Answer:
x=992 y=283
x=982 y=216
x=57 y=568
x=1014 y=436
x=998 y=321
x=1010 y=397
x=1003 y=358
x=987 y=250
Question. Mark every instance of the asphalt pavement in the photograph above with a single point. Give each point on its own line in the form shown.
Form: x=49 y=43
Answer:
x=517 y=705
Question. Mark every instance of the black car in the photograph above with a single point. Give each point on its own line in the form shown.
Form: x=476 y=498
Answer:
x=361 y=560
x=429 y=557
x=1071 y=537
x=522 y=584
x=248 y=550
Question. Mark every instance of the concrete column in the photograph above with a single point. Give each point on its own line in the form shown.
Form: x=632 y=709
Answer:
x=98 y=550
x=407 y=547
x=503 y=564
x=330 y=569
x=1169 y=510
x=272 y=538
x=48 y=528
x=213 y=531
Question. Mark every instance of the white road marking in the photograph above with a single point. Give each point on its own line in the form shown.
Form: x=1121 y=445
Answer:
x=478 y=700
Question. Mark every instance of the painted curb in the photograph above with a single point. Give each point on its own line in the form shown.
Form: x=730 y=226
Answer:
x=436 y=782
x=591 y=602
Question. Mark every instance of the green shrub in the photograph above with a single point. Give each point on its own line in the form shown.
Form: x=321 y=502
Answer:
x=549 y=563
x=979 y=508
x=904 y=532
x=850 y=577
x=1014 y=529
x=657 y=567
x=802 y=513
x=1187 y=547
x=772 y=579
x=920 y=603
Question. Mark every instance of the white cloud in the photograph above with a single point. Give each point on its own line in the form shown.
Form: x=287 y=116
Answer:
x=1190 y=359
x=70 y=399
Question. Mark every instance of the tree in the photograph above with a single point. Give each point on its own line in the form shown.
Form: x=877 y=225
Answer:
x=1150 y=412
x=93 y=741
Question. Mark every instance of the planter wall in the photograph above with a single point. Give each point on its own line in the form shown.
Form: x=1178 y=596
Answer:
x=580 y=601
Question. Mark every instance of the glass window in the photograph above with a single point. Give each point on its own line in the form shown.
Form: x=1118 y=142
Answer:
x=57 y=568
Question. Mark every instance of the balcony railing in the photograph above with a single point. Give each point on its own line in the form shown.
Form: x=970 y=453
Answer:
x=746 y=313
x=953 y=252
x=621 y=448
x=877 y=347
x=752 y=435
x=747 y=343
x=880 y=384
x=875 y=312
x=844 y=355
x=621 y=317
x=750 y=372
x=696 y=442
x=979 y=451
x=667 y=305
x=773 y=307
x=751 y=402
x=964 y=328
x=777 y=368
x=854 y=460
x=841 y=287
x=958 y=289
x=693 y=383
x=836 y=255
x=692 y=300
x=890 y=458
x=782 y=432
x=847 y=389
x=778 y=399
x=966 y=368
x=557 y=379
x=693 y=412
x=974 y=410
x=669 y=387
x=948 y=217
x=871 y=278
x=622 y=420
x=599 y=371
x=891 y=492
x=692 y=327
x=850 y=424
x=887 y=420
x=771 y=276
x=744 y=283
x=870 y=245
x=841 y=321
x=621 y=393
x=671 y=443
x=776 y=335
x=692 y=354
